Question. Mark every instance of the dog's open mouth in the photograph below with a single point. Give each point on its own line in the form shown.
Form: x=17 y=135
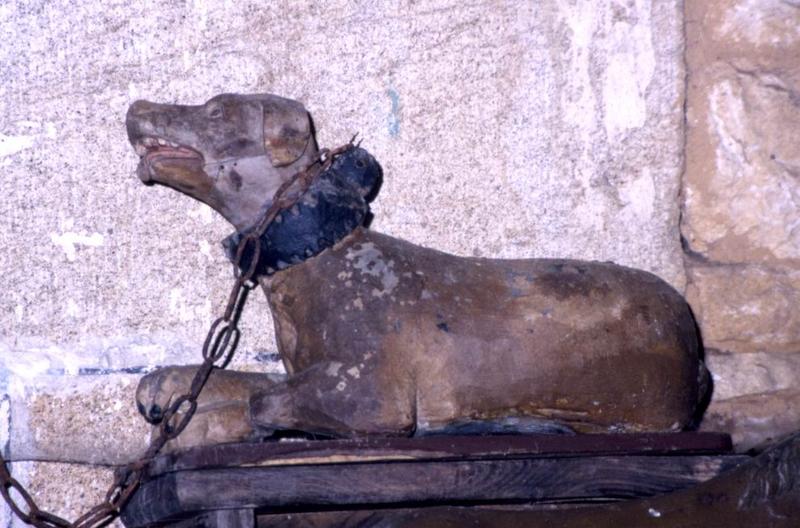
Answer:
x=158 y=152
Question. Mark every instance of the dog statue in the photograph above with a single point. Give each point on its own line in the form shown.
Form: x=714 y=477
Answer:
x=383 y=337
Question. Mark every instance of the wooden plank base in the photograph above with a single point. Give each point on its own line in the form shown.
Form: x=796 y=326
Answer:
x=763 y=492
x=294 y=477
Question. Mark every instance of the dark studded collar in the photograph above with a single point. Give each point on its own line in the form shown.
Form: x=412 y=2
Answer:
x=335 y=204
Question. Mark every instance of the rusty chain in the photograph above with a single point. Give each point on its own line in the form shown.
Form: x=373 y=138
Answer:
x=218 y=348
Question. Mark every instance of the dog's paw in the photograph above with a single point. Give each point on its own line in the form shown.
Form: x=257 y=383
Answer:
x=157 y=390
x=222 y=406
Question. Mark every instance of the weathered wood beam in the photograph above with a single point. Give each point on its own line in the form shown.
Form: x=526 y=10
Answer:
x=370 y=473
x=441 y=447
x=763 y=493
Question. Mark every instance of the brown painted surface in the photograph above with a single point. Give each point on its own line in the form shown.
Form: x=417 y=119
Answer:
x=382 y=337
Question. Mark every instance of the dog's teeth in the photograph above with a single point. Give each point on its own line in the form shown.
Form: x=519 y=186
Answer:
x=140 y=149
x=162 y=142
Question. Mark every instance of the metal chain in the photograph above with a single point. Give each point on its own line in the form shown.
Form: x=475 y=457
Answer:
x=218 y=349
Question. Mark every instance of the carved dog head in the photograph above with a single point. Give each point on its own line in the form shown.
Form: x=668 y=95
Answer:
x=232 y=153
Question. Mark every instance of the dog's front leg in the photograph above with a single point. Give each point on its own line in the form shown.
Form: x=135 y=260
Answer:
x=337 y=399
x=222 y=407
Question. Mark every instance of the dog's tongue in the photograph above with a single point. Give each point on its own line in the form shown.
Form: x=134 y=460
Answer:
x=159 y=154
x=162 y=152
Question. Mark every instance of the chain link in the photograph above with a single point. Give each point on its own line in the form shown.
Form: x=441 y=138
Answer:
x=218 y=348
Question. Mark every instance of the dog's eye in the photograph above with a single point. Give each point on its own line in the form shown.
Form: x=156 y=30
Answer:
x=215 y=111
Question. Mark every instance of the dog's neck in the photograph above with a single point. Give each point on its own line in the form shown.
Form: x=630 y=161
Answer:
x=333 y=206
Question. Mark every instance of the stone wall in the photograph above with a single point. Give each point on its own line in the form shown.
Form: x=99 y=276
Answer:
x=507 y=129
x=740 y=222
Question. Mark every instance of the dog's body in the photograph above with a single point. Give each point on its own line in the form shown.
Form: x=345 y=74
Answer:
x=400 y=338
x=380 y=336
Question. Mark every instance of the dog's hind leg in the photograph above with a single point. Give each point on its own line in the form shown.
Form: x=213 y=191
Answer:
x=336 y=399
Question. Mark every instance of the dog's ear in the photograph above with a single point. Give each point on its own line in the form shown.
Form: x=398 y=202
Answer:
x=287 y=130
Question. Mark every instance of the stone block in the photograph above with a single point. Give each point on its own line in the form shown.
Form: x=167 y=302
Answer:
x=742 y=184
x=740 y=209
x=752 y=373
x=66 y=490
x=75 y=401
x=755 y=420
x=88 y=419
x=746 y=308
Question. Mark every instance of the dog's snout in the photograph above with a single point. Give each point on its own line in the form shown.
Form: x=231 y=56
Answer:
x=134 y=120
x=142 y=109
x=154 y=414
x=145 y=118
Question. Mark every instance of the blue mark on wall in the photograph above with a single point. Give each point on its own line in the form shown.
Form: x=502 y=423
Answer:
x=267 y=357
x=394 y=114
x=5 y=401
x=101 y=371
